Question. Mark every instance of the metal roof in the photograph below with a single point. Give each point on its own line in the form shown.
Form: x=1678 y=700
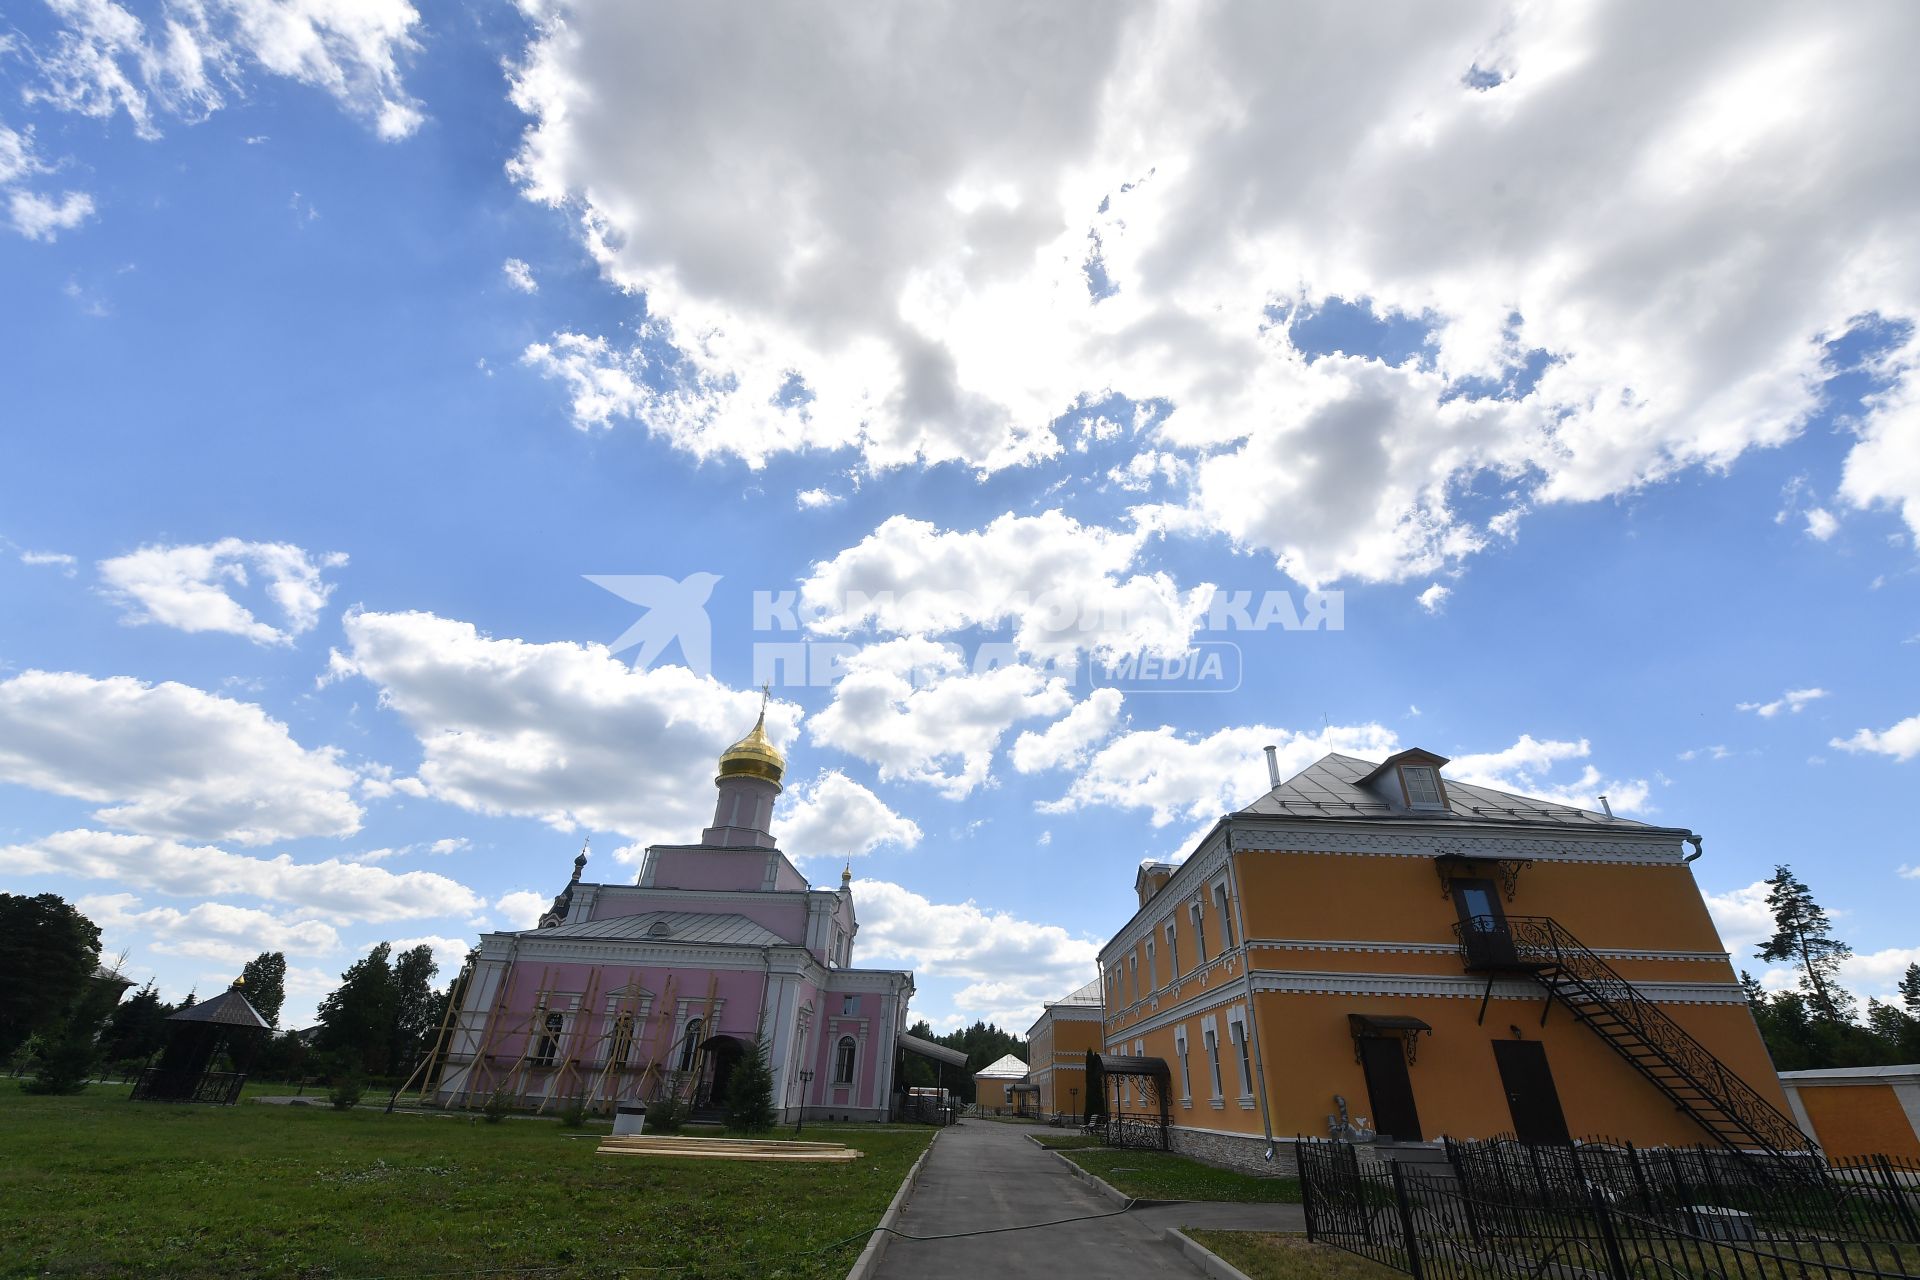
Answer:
x=1330 y=788
x=928 y=1049
x=1008 y=1068
x=1089 y=994
x=724 y=929
x=229 y=1009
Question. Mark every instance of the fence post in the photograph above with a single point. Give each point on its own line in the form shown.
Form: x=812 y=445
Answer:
x=1403 y=1201
x=1898 y=1194
x=1616 y=1261
x=1302 y=1158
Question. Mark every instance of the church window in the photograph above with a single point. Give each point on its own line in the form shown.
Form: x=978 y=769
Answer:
x=843 y=1061
x=1237 y=1032
x=548 y=1047
x=1199 y=932
x=1226 y=920
x=1153 y=975
x=1212 y=1040
x=690 y=1045
x=1180 y=1050
x=1173 y=947
x=622 y=1046
x=849 y=1006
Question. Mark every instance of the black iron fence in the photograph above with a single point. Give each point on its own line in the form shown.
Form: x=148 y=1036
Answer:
x=1505 y=1209
x=221 y=1088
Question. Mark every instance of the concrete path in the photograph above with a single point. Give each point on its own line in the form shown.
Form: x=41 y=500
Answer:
x=983 y=1175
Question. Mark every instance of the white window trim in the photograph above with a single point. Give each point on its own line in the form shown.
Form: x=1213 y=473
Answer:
x=1210 y=1040
x=1153 y=969
x=1199 y=934
x=1173 y=948
x=1186 y=1077
x=1237 y=1036
x=1222 y=902
x=1426 y=772
x=1133 y=977
x=853 y=1061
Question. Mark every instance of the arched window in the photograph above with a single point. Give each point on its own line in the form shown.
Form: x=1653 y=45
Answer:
x=549 y=1045
x=622 y=1047
x=690 y=1045
x=843 y=1061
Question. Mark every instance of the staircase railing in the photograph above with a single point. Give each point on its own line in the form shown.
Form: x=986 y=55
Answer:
x=1543 y=947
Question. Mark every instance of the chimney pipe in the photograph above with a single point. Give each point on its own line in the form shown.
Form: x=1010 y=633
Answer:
x=1273 y=765
x=1606 y=806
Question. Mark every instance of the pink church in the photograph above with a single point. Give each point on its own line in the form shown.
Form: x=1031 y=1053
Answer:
x=642 y=991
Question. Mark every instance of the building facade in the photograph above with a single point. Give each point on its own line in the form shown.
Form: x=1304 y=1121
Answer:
x=1057 y=1047
x=655 y=989
x=1375 y=949
x=1858 y=1111
x=993 y=1085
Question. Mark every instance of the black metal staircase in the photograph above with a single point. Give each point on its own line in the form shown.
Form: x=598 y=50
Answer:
x=1658 y=1047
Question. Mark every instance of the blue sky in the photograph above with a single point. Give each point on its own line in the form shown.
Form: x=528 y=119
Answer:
x=337 y=356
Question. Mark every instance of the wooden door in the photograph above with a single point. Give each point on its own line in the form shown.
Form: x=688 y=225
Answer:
x=1531 y=1097
x=1390 y=1088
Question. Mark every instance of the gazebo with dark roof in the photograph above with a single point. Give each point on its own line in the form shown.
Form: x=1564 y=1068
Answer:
x=196 y=1036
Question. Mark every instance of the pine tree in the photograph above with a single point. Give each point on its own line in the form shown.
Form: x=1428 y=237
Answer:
x=749 y=1100
x=1804 y=937
x=265 y=984
x=1910 y=990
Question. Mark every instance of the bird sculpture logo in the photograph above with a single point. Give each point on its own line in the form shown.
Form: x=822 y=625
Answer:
x=676 y=611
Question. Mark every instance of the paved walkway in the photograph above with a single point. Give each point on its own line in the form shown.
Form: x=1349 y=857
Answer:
x=984 y=1175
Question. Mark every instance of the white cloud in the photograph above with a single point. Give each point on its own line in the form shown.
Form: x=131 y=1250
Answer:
x=912 y=708
x=452 y=844
x=562 y=732
x=1063 y=585
x=1743 y=919
x=102 y=59
x=58 y=559
x=1902 y=741
x=523 y=907
x=448 y=953
x=1523 y=768
x=334 y=889
x=169 y=759
x=816 y=499
x=1675 y=314
x=212 y=930
x=1066 y=742
x=190 y=587
x=835 y=817
x=1008 y=966
x=1878 y=973
x=1434 y=598
x=1199 y=779
x=1792 y=700
x=519 y=276
x=39 y=217
x=1821 y=524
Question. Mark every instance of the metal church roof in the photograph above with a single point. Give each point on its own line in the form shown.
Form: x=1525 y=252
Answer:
x=724 y=929
x=1331 y=788
x=229 y=1009
x=1008 y=1068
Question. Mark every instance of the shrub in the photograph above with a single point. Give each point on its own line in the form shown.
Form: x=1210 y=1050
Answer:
x=749 y=1101
x=666 y=1115
x=573 y=1115
x=66 y=1061
x=346 y=1093
x=498 y=1106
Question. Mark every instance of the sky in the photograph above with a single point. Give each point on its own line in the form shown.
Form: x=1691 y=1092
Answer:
x=426 y=426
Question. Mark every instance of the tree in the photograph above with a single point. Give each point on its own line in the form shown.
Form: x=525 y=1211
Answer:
x=265 y=984
x=137 y=1028
x=48 y=951
x=749 y=1101
x=1803 y=936
x=417 y=1008
x=357 y=1017
x=1910 y=990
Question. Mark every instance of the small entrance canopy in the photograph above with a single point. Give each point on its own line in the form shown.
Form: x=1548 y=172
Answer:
x=1456 y=866
x=1127 y=1128
x=1388 y=1026
x=928 y=1049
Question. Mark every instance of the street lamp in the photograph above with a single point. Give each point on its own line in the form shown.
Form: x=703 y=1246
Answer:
x=806 y=1078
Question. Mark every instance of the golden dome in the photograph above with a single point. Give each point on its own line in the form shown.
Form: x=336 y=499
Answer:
x=754 y=756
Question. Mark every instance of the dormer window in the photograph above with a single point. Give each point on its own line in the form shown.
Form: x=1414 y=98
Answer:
x=1422 y=783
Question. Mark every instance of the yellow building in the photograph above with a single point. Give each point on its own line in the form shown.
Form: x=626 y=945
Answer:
x=1858 y=1111
x=992 y=1084
x=1444 y=959
x=1057 y=1046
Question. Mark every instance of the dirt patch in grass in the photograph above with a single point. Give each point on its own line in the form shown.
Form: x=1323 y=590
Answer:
x=1266 y=1256
x=95 y=1185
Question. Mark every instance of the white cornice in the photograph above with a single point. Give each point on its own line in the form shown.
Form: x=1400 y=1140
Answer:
x=1453 y=949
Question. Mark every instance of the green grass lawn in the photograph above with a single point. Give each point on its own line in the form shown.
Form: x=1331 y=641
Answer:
x=95 y=1185
x=1160 y=1175
x=1290 y=1257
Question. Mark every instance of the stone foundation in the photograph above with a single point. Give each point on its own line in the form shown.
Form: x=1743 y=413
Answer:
x=1230 y=1151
